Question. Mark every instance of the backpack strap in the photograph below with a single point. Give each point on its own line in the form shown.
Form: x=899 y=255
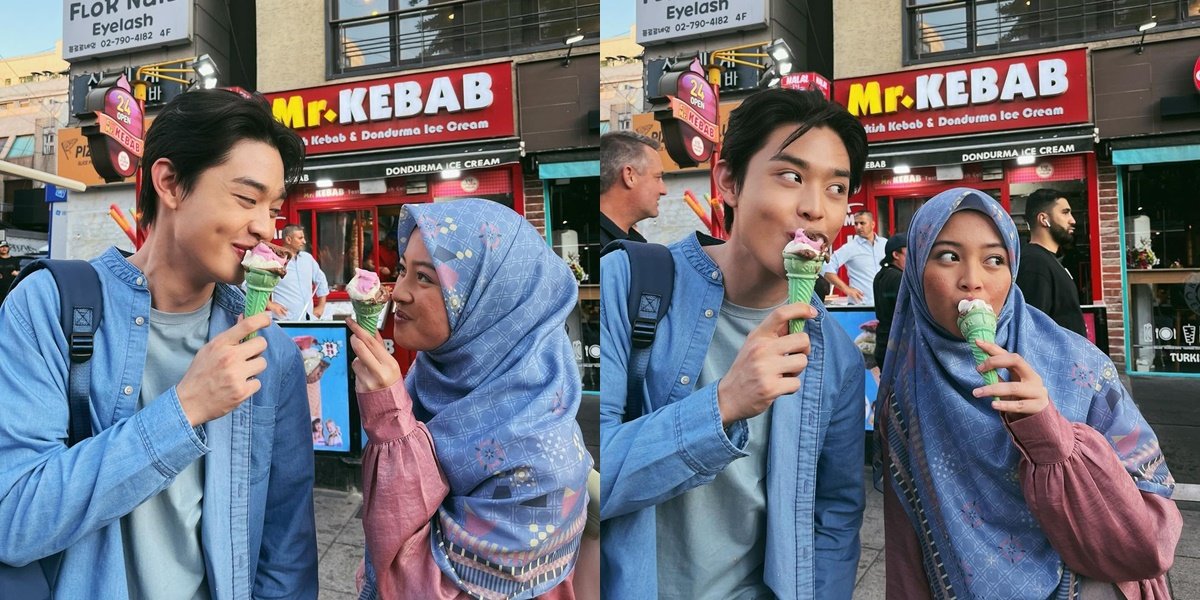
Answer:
x=81 y=310
x=651 y=283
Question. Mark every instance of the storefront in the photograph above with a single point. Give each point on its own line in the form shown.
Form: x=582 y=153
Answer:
x=376 y=145
x=1005 y=126
x=1151 y=126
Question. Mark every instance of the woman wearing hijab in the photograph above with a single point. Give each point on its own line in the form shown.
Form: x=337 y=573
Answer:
x=1048 y=484
x=475 y=474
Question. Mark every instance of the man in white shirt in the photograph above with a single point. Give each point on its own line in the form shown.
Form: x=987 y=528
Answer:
x=292 y=299
x=860 y=255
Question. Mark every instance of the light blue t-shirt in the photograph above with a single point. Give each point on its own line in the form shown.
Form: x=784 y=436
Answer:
x=712 y=538
x=295 y=291
x=163 y=557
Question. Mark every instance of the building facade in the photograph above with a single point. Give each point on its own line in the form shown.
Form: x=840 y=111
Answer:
x=33 y=105
x=400 y=104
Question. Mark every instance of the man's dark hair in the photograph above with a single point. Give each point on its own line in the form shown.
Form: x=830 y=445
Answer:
x=196 y=132
x=1040 y=201
x=760 y=114
x=620 y=148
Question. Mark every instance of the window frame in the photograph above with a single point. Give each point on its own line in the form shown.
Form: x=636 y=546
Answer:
x=21 y=138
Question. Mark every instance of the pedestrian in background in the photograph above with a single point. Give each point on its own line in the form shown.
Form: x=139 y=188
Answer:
x=475 y=461
x=886 y=287
x=198 y=480
x=631 y=182
x=1048 y=485
x=1046 y=284
x=292 y=299
x=10 y=267
x=860 y=255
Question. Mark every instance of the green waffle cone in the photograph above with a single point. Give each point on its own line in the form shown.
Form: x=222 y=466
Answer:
x=259 y=285
x=366 y=314
x=980 y=324
x=802 y=279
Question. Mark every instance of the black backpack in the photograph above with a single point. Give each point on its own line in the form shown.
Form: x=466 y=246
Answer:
x=651 y=283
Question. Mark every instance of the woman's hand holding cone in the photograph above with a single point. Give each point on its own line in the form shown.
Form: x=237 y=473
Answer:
x=374 y=368
x=1023 y=394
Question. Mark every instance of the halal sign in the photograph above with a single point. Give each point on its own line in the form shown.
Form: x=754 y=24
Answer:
x=117 y=137
x=689 y=123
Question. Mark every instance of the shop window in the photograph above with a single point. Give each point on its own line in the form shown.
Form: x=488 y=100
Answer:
x=1162 y=267
x=22 y=147
x=3 y=143
x=573 y=223
x=937 y=28
x=382 y=35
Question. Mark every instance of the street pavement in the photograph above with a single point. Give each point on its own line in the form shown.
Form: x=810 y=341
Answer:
x=340 y=547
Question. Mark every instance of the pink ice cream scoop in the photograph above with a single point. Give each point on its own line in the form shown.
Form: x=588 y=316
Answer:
x=365 y=287
x=265 y=258
x=807 y=246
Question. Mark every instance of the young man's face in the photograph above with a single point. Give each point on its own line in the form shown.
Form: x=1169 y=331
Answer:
x=231 y=209
x=3 y=251
x=806 y=184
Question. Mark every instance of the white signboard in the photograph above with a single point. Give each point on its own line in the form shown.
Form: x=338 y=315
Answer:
x=99 y=27
x=664 y=20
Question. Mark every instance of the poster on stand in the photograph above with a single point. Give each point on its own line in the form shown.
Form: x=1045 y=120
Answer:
x=859 y=323
x=333 y=411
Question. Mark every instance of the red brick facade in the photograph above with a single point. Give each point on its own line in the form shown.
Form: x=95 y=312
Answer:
x=535 y=203
x=1111 y=262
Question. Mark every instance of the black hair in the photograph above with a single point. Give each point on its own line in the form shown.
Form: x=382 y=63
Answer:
x=1040 y=201
x=197 y=130
x=760 y=114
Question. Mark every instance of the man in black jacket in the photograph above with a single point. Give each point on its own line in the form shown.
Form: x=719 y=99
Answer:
x=9 y=268
x=886 y=288
x=1046 y=284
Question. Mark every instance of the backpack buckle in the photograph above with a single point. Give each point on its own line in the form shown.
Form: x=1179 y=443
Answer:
x=643 y=333
x=82 y=346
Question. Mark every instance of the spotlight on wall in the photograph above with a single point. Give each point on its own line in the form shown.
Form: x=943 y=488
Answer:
x=451 y=174
x=901 y=170
x=1025 y=160
x=1144 y=27
x=324 y=183
x=570 y=41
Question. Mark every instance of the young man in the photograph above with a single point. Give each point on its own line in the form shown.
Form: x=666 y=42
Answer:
x=292 y=299
x=9 y=268
x=631 y=182
x=197 y=482
x=1045 y=283
x=691 y=509
x=860 y=255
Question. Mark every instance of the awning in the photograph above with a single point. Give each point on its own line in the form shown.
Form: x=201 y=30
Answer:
x=1156 y=149
x=983 y=148
x=412 y=161
x=581 y=162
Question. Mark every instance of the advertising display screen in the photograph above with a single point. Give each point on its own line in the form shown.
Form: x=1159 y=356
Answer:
x=325 y=349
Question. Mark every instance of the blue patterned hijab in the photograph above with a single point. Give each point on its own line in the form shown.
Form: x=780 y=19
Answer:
x=499 y=398
x=953 y=464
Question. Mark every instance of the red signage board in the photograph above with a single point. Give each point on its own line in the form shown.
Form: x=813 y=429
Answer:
x=805 y=81
x=448 y=105
x=1038 y=90
x=689 y=125
x=1196 y=74
x=116 y=139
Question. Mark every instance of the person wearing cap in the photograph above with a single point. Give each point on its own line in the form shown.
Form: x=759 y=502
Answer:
x=886 y=287
x=10 y=266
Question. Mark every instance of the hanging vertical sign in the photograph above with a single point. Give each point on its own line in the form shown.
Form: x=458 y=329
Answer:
x=116 y=139
x=690 y=121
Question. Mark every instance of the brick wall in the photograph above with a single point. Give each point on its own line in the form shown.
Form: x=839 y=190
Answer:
x=535 y=203
x=1111 y=261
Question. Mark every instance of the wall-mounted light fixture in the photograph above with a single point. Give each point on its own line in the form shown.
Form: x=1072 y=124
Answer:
x=1144 y=27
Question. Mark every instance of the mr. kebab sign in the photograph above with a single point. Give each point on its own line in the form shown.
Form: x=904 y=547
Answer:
x=1015 y=93
x=447 y=105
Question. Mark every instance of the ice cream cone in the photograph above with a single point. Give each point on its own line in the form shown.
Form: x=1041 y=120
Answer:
x=259 y=285
x=979 y=324
x=366 y=314
x=802 y=280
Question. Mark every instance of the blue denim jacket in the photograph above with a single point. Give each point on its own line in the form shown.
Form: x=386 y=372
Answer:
x=814 y=462
x=70 y=501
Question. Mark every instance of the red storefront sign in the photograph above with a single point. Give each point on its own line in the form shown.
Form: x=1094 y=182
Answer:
x=1039 y=90
x=448 y=105
x=805 y=81
x=1196 y=74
